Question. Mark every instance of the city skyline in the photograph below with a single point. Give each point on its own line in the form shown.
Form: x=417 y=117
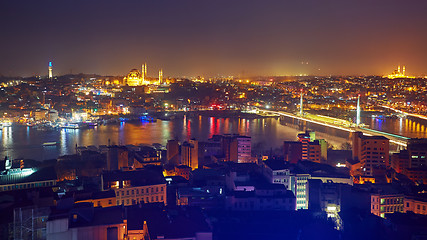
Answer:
x=213 y=38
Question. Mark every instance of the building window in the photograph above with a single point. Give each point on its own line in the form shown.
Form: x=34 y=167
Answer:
x=110 y=202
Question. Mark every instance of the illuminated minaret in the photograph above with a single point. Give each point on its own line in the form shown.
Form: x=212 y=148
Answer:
x=403 y=71
x=300 y=104
x=50 y=70
x=145 y=70
x=358 y=111
x=398 y=69
x=160 y=76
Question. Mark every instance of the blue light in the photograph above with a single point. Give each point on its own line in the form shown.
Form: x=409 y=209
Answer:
x=50 y=64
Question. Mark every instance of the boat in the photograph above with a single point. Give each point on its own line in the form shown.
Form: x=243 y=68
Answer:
x=78 y=125
x=46 y=144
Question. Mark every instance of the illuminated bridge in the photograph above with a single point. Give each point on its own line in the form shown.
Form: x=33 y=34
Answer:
x=396 y=139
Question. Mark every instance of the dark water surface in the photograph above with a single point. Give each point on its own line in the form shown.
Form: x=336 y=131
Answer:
x=267 y=134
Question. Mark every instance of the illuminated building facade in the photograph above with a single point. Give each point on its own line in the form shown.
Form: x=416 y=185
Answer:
x=50 y=70
x=134 y=78
x=190 y=154
x=413 y=161
x=398 y=73
x=415 y=205
x=27 y=178
x=137 y=78
x=371 y=151
x=133 y=187
x=382 y=204
x=160 y=77
x=244 y=149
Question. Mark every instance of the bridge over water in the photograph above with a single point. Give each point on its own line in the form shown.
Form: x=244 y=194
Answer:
x=394 y=138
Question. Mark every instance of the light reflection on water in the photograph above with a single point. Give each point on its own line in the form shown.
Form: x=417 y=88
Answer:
x=24 y=142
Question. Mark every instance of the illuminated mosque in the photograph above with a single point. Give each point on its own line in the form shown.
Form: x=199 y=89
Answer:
x=398 y=74
x=137 y=78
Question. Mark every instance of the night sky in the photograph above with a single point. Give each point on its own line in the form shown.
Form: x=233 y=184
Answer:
x=216 y=37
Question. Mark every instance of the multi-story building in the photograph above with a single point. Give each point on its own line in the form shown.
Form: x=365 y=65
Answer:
x=304 y=138
x=386 y=203
x=306 y=149
x=267 y=197
x=301 y=190
x=244 y=154
x=417 y=149
x=400 y=161
x=229 y=147
x=190 y=154
x=295 y=178
x=314 y=152
x=145 y=221
x=132 y=187
x=117 y=158
x=371 y=151
x=413 y=161
x=146 y=156
x=292 y=151
x=26 y=178
x=172 y=152
x=416 y=205
x=279 y=173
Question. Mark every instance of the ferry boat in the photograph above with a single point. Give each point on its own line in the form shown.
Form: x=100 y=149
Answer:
x=74 y=125
x=46 y=144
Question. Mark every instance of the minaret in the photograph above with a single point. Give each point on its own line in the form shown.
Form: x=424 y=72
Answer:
x=160 y=76
x=398 y=69
x=404 y=70
x=358 y=111
x=300 y=104
x=50 y=70
x=143 y=72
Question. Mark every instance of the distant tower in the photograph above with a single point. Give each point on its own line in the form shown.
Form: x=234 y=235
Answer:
x=404 y=70
x=358 y=111
x=398 y=69
x=300 y=104
x=160 y=76
x=145 y=70
x=50 y=70
x=143 y=73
